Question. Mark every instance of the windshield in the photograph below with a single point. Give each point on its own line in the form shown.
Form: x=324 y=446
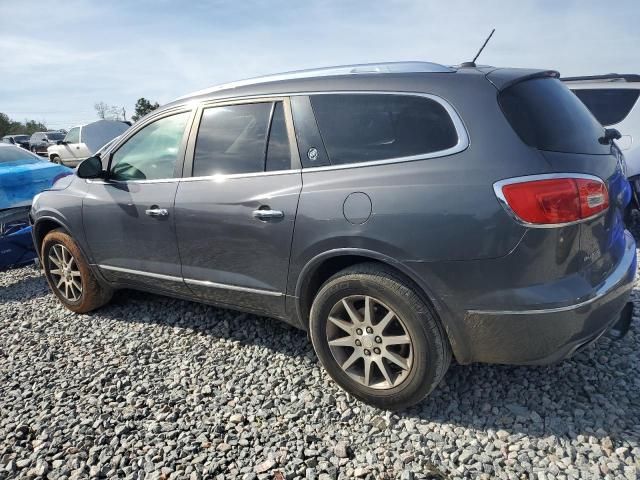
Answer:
x=55 y=135
x=17 y=155
x=548 y=116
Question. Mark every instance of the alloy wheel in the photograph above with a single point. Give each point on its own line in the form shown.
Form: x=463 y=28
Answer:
x=370 y=342
x=65 y=273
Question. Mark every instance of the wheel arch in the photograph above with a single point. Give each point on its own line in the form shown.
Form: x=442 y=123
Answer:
x=323 y=266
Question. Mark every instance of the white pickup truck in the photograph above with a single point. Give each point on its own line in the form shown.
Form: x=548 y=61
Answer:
x=83 y=141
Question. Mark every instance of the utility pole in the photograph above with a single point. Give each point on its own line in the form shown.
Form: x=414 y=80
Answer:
x=124 y=114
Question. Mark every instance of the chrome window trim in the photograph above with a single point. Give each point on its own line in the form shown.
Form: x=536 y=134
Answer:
x=463 y=136
x=191 y=281
x=461 y=145
x=497 y=188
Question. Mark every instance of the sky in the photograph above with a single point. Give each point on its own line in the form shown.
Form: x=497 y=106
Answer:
x=60 y=58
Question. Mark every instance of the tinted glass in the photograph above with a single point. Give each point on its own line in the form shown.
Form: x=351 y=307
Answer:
x=17 y=154
x=609 y=106
x=232 y=139
x=151 y=153
x=21 y=138
x=278 y=152
x=73 y=136
x=547 y=116
x=55 y=136
x=360 y=128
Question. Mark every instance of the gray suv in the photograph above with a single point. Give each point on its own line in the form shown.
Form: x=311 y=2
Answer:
x=401 y=213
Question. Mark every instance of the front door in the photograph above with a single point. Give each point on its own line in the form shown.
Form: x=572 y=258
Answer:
x=235 y=215
x=129 y=218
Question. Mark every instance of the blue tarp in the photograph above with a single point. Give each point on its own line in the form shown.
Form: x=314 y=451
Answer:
x=21 y=178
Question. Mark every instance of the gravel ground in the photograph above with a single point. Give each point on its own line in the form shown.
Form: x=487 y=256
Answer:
x=150 y=387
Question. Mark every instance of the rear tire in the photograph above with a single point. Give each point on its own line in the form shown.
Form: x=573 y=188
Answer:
x=402 y=351
x=69 y=275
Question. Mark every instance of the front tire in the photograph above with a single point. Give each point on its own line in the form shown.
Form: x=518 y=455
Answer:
x=69 y=275
x=56 y=159
x=377 y=338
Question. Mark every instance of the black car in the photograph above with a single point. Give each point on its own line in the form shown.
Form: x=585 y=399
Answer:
x=40 y=141
x=18 y=139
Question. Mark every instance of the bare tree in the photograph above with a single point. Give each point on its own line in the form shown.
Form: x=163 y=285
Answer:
x=102 y=109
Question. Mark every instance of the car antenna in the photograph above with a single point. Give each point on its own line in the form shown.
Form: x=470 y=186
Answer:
x=472 y=63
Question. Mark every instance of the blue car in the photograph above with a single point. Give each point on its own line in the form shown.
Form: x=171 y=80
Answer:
x=22 y=176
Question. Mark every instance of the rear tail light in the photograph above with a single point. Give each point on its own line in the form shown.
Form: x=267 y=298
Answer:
x=553 y=199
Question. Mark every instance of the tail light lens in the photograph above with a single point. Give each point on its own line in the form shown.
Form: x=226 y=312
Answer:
x=552 y=201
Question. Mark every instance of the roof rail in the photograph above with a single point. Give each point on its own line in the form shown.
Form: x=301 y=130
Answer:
x=364 y=68
x=611 y=77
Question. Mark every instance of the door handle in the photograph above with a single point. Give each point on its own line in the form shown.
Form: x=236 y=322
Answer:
x=157 y=212
x=267 y=214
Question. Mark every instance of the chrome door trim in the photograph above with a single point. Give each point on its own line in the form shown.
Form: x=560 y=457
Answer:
x=203 y=283
x=159 y=276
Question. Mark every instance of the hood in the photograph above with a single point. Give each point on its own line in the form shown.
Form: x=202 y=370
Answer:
x=21 y=181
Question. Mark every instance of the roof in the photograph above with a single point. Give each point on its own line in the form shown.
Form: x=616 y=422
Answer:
x=609 y=77
x=364 y=68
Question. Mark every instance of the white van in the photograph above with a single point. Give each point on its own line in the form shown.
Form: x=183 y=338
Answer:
x=83 y=141
x=613 y=100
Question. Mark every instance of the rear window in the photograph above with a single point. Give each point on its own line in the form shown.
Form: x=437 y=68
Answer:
x=55 y=135
x=17 y=154
x=608 y=105
x=369 y=127
x=547 y=116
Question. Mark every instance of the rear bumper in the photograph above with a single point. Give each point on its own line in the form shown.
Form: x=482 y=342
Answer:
x=550 y=335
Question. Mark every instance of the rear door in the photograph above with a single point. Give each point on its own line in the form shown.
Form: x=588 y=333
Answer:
x=236 y=207
x=129 y=218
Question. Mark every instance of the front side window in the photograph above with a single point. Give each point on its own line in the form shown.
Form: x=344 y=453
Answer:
x=152 y=153
x=235 y=139
x=368 y=127
x=73 y=136
x=608 y=105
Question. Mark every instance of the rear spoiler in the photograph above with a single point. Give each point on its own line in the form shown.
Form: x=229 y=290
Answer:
x=503 y=78
x=611 y=77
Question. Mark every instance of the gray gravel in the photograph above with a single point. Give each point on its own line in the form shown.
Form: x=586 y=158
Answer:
x=150 y=387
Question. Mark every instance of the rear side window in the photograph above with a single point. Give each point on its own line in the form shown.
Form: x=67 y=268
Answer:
x=17 y=154
x=237 y=139
x=368 y=127
x=547 y=116
x=608 y=105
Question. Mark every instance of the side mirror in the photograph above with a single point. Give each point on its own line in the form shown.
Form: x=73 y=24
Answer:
x=59 y=142
x=90 y=168
x=609 y=135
